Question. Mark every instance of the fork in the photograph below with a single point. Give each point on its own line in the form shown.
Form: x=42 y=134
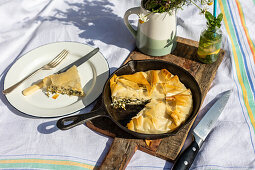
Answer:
x=52 y=64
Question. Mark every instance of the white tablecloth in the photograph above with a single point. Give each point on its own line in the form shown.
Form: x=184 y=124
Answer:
x=36 y=143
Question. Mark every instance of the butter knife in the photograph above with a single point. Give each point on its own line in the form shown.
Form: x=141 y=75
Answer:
x=79 y=61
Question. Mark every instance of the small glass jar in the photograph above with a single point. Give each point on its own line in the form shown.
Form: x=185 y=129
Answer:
x=209 y=45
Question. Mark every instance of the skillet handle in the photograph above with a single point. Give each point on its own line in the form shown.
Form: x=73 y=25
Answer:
x=72 y=121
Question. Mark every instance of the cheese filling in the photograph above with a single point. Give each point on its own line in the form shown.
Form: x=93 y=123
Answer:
x=122 y=102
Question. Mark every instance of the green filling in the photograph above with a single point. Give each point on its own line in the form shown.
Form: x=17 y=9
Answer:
x=122 y=102
x=62 y=90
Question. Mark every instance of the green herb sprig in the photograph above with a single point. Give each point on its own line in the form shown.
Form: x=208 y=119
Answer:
x=210 y=35
x=212 y=22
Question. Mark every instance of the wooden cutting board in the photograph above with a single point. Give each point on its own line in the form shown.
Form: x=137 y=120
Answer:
x=125 y=145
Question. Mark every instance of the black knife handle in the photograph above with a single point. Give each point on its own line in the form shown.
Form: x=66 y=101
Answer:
x=187 y=157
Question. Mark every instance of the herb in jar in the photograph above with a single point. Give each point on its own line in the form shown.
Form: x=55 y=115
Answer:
x=210 y=39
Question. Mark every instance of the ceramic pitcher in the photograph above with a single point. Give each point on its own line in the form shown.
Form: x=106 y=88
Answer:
x=157 y=36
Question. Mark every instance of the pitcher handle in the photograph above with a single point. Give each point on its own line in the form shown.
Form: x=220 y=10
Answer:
x=135 y=10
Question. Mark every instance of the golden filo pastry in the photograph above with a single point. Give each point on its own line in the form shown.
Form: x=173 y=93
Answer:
x=179 y=106
x=152 y=119
x=168 y=103
x=64 y=83
x=126 y=91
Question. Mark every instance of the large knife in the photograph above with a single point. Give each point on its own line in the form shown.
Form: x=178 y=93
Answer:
x=200 y=133
x=30 y=90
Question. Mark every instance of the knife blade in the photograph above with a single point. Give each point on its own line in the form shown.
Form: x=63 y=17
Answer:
x=79 y=61
x=200 y=133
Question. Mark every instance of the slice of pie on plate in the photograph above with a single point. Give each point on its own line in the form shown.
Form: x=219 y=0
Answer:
x=64 y=83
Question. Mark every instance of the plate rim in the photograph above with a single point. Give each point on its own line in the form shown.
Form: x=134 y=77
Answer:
x=66 y=114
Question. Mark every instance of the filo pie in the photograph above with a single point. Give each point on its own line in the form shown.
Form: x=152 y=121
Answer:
x=64 y=83
x=167 y=102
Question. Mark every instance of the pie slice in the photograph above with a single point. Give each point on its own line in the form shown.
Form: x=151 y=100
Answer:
x=64 y=83
x=153 y=119
x=179 y=107
x=162 y=116
x=128 y=91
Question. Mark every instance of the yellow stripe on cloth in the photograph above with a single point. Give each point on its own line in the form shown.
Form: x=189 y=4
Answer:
x=245 y=29
x=44 y=161
x=239 y=76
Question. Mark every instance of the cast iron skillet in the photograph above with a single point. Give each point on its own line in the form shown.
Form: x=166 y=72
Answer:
x=121 y=117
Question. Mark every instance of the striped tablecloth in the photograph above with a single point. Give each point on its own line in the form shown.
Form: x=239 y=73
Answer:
x=34 y=143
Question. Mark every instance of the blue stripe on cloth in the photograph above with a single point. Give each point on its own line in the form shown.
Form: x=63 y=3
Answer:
x=250 y=128
x=242 y=51
x=246 y=45
x=224 y=167
x=239 y=97
x=154 y=167
x=240 y=45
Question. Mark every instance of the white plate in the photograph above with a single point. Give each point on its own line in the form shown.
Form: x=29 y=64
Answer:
x=93 y=74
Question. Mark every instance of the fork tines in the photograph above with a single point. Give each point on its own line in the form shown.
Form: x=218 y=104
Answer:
x=59 y=58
